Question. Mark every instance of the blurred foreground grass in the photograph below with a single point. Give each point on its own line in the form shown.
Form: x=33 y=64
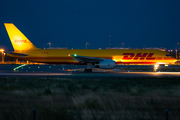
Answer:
x=98 y=99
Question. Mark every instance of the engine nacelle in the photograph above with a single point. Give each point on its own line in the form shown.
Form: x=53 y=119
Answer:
x=106 y=64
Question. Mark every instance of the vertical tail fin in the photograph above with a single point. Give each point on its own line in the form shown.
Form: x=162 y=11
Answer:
x=18 y=39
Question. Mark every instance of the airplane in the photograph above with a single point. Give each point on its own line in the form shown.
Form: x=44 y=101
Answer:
x=100 y=58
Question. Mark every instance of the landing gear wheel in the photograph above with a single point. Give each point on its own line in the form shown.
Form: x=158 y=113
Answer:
x=85 y=70
x=90 y=70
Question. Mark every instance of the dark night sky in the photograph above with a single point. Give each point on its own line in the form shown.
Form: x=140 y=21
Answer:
x=136 y=23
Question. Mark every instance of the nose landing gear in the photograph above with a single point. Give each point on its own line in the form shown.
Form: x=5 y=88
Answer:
x=156 y=66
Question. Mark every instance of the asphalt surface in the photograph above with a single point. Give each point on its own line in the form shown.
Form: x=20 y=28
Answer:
x=74 y=71
x=99 y=74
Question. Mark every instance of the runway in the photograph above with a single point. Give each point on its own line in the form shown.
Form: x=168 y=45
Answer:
x=77 y=71
x=99 y=74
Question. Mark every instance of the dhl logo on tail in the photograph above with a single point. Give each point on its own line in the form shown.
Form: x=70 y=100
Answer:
x=19 y=41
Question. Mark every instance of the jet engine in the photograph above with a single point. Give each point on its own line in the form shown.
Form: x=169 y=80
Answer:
x=106 y=64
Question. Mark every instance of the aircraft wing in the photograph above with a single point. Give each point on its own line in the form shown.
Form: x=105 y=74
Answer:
x=85 y=59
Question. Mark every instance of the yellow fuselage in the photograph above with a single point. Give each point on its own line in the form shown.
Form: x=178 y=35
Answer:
x=124 y=56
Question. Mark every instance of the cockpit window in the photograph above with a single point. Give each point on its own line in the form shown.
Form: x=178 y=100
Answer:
x=168 y=55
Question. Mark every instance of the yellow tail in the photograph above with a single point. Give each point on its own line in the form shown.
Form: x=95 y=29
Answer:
x=18 y=39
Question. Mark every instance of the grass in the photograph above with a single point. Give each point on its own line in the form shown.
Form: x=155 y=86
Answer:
x=143 y=98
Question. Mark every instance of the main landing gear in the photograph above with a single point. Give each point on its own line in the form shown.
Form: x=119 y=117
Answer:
x=87 y=70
